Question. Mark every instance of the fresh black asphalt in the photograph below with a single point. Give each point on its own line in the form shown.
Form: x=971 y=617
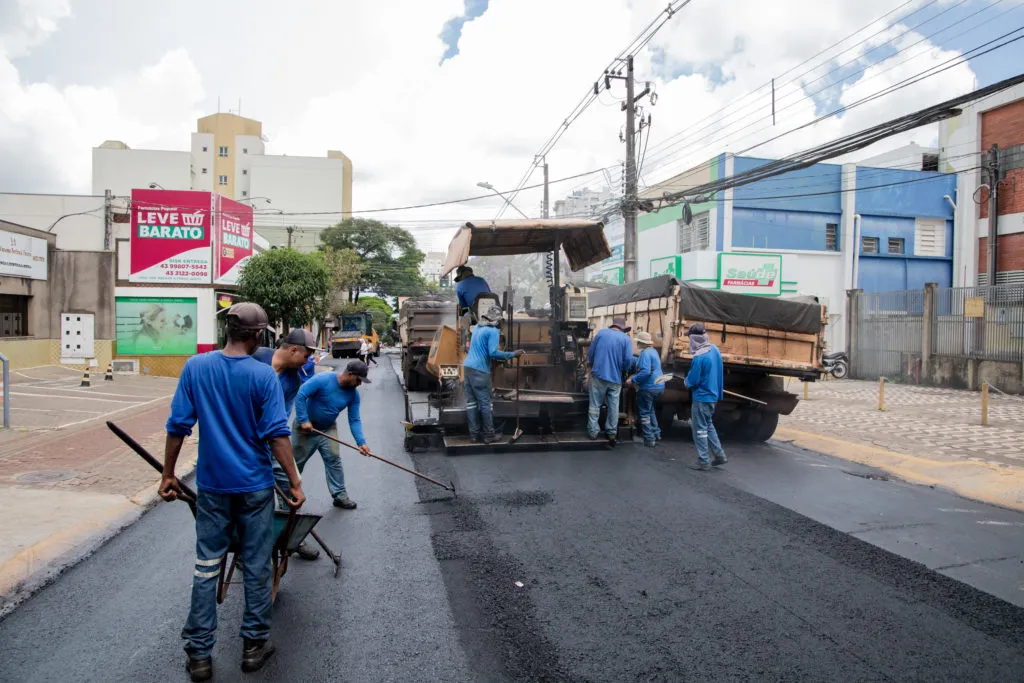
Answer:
x=598 y=565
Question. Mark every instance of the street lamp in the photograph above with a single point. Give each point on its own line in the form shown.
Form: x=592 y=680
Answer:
x=488 y=186
x=252 y=199
x=154 y=186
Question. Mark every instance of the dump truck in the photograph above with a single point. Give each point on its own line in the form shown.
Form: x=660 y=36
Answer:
x=419 y=319
x=762 y=341
x=351 y=330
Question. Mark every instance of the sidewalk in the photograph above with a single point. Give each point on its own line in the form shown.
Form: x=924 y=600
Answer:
x=68 y=490
x=925 y=435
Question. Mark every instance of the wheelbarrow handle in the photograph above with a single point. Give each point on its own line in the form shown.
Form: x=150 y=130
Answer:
x=189 y=496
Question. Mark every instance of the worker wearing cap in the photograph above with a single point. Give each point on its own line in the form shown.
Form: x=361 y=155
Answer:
x=318 y=405
x=704 y=381
x=468 y=286
x=239 y=405
x=648 y=369
x=476 y=373
x=610 y=356
x=289 y=361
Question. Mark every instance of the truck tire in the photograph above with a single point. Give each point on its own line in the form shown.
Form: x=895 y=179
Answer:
x=755 y=426
x=666 y=414
x=335 y=354
x=766 y=426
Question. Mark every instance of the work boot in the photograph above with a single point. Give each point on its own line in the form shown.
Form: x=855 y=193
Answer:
x=593 y=437
x=491 y=438
x=307 y=552
x=345 y=503
x=650 y=444
x=613 y=440
x=200 y=669
x=719 y=460
x=701 y=466
x=255 y=654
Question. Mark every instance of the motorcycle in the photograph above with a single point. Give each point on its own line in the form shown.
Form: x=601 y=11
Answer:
x=837 y=364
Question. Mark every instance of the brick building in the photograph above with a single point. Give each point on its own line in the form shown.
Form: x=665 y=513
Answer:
x=965 y=142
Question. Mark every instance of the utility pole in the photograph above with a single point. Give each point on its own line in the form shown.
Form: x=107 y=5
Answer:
x=545 y=187
x=108 y=228
x=993 y=212
x=290 y=229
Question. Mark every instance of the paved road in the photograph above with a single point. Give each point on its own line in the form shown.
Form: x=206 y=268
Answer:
x=633 y=568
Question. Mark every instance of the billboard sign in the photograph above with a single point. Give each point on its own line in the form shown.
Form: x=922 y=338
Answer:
x=170 y=240
x=758 y=274
x=611 y=276
x=155 y=326
x=667 y=265
x=22 y=256
x=232 y=239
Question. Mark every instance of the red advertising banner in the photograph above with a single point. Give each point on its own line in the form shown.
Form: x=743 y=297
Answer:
x=170 y=240
x=232 y=239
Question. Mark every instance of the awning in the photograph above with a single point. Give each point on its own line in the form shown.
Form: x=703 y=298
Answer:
x=583 y=241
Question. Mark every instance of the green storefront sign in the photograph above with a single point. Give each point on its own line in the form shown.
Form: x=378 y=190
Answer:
x=155 y=326
x=667 y=265
x=612 y=276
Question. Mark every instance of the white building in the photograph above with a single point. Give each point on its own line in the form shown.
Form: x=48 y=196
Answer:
x=433 y=263
x=227 y=155
x=912 y=157
x=583 y=203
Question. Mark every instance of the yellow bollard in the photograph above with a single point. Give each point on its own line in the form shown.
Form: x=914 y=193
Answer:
x=805 y=390
x=984 y=404
x=881 y=394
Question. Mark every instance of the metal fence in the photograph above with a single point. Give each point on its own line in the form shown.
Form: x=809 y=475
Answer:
x=983 y=323
x=889 y=332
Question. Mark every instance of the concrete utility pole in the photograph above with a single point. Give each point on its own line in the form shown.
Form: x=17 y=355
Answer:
x=629 y=201
x=108 y=227
x=290 y=229
x=993 y=212
x=545 y=187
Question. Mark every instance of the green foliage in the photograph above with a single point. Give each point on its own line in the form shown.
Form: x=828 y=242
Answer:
x=294 y=288
x=346 y=267
x=387 y=254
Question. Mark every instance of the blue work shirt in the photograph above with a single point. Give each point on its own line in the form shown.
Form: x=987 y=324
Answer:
x=240 y=406
x=705 y=377
x=648 y=369
x=468 y=288
x=308 y=371
x=483 y=348
x=321 y=400
x=290 y=378
x=610 y=355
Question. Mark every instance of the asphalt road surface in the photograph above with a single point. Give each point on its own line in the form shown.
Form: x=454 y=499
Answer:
x=586 y=566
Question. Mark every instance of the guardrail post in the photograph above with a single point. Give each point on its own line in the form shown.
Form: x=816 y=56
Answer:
x=7 y=390
x=984 y=404
x=881 y=394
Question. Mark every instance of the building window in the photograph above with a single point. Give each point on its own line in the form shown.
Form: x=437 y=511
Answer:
x=245 y=150
x=13 y=316
x=696 y=235
x=929 y=237
x=204 y=171
x=831 y=237
x=245 y=171
x=222 y=180
x=204 y=148
x=896 y=245
x=869 y=245
x=245 y=193
x=929 y=162
x=223 y=151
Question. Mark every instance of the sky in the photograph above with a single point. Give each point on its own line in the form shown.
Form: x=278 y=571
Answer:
x=430 y=98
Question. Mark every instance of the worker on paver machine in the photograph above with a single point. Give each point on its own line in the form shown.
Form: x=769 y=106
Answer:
x=469 y=286
x=476 y=371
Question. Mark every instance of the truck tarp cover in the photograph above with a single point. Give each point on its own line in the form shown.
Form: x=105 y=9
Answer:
x=710 y=305
x=420 y=305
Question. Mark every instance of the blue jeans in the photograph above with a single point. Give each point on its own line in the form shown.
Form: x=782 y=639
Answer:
x=705 y=437
x=303 y=447
x=249 y=517
x=479 y=412
x=645 y=400
x=603 y=392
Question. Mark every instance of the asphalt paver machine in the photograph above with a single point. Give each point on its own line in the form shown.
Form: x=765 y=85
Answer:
x=540 y=399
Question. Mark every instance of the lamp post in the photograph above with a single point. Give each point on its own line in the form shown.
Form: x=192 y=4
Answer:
x=488 y=186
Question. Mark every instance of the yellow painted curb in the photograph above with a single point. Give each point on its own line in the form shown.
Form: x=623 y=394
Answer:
x=981 y=481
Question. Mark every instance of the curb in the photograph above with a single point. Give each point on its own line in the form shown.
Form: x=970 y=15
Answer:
x=39 y=565
x=980 y=481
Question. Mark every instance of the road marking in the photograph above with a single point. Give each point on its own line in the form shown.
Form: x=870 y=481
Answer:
x=19 y=409
x=973 y=512
x=93 y=392
x=115 y=412
x=70 y=398
x=994 y=522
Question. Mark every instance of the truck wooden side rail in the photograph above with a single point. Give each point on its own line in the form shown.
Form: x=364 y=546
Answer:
x=418 y=321
x=762 y=340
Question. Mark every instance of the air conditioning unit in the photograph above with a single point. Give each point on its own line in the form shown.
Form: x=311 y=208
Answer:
x=128 y=366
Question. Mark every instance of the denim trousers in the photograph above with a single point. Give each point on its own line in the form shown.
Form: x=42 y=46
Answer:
x=603 y=392
x=303 y=447
x=705 y=437
x=479 y=412
x=248 y=517
x=645 y=400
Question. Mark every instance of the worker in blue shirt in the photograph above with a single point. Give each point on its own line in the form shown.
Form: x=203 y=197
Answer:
x=476 y=374
x=468 y=286
x=704 y=381
x=289 y=361
x=318 y=405
x=648 y=370
x=610 y=356
x=239 y=405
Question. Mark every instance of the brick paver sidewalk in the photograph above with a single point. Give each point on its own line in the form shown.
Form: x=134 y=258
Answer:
x=940 y=424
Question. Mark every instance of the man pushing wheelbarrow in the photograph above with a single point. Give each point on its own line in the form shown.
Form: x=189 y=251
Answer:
x=239 y=405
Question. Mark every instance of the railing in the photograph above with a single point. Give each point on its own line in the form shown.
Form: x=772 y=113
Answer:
x=983 y=323
x=889 y=331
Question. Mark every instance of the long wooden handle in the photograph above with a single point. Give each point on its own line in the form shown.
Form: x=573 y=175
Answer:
x=447 y=487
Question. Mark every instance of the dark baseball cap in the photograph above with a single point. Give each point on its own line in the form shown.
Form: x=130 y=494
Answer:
x=301 y=337
x=359 y=369
x=461 y=272
x=248 y=316
x=696 y=328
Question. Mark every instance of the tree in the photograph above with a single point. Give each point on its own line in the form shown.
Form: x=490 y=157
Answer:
x=292 y=287
x=347 y=270
x=387 y=253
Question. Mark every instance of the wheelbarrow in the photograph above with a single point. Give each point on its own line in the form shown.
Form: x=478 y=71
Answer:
x=290 y=529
